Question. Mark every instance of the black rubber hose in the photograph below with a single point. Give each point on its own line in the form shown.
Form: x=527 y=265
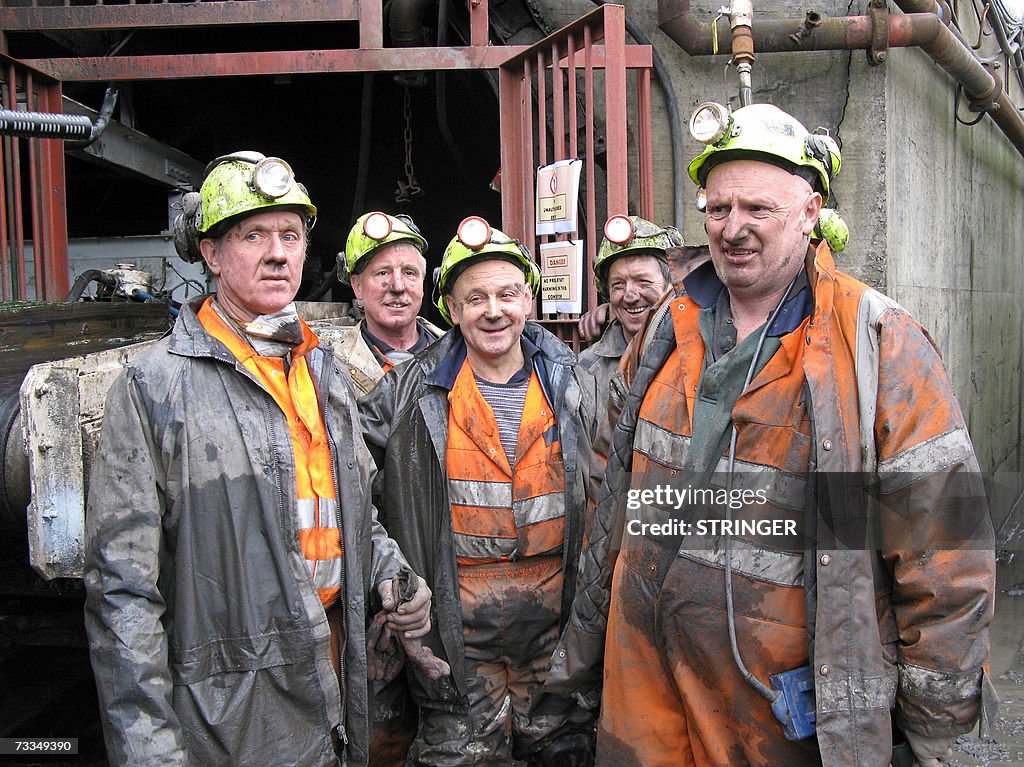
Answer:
x=83 y=280
x=102 y=120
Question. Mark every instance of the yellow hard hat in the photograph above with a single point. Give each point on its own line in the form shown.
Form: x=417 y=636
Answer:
x=371 y=232
x=762 y=132
x=475 y=240
x=237 y=184
x=625 y=235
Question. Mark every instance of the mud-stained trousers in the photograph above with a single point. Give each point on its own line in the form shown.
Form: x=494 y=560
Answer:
x=510 y=614
x=394 y=723
x=673 y=695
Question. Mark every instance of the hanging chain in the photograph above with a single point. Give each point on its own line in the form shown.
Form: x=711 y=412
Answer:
x=410 y=188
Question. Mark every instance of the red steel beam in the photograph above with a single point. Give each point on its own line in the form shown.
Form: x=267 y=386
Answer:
x=371 y=24
x=570 y=59
x=529 y=232
x=542 y=109
x=52 y=205
x=557 y=103
x=182 y=67
x=196 y=14
x=7 y=290
x=513 y=191
x=479 y=32
x=40 y=247
x=617 y=146
x=589 y=166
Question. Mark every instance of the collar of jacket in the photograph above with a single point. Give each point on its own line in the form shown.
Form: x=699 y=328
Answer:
x=189 y=338
x=704 y=287
x=612 y=342
x=442 y=361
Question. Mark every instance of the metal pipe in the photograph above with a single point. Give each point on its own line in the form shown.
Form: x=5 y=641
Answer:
x=406 y=22
x=42 y=125
x=73 y=128
x=741 y=18
x=102 y=120
x=924 y=30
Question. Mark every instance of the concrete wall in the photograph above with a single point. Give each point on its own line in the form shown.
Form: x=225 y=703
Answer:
x=955 y=204
x=935 y=209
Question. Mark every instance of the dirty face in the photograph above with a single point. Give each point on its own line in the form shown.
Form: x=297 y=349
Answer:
x=490 y=302
x=258 y=263
x=635 y=283
x=759 y=218
x=391 y=288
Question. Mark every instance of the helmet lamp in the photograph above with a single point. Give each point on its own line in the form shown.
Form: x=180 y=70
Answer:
x=619 y=229
x=273 y=177
x=710 y=123
x=474 y=232
x=377 y=226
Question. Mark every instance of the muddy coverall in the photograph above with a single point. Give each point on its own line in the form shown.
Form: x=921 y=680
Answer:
x=894 y=626
x=498 y=614
x=209 y=642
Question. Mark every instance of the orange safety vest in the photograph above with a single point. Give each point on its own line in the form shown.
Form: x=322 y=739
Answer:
x=316 y=506
x=499 y=513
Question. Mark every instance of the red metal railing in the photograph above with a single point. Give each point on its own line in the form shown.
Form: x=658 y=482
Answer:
x=32 y=193
x=583 y=56
x=563 y=59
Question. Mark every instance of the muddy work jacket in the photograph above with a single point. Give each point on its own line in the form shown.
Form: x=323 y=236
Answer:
x=898 y=627
x=406 y=424
x=209 y=641
x=367 y=365
x=598 y=363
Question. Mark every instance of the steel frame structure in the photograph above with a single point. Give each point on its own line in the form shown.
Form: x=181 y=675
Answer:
x=563 y=57
x=22 y=88
x=558 y=57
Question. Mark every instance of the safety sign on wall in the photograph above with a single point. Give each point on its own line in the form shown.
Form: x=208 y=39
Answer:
x=561 y=269
x=558 y=187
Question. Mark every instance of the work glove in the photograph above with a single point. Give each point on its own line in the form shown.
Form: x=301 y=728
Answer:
x=930 y=751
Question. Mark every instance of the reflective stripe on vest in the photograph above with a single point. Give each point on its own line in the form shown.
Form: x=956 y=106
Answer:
x=499 y=514
x=663 y=438
x=316 y=505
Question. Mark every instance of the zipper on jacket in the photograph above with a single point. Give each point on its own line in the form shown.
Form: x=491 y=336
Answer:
x=332 y=445
x=277 y=460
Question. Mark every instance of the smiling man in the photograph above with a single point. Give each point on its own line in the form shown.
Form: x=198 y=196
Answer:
x=479 y=441
x=769 y=369
x=384 y=263
x=631 y=272
x=232 y=551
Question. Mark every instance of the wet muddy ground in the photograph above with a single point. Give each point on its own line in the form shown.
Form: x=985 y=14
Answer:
x=48 y=692
x=1006 y=743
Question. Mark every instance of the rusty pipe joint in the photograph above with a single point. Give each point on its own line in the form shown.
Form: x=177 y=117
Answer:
x=811 y=22
x=989 y=100
x=741 y=19
x=878 y=13
x=742 y=45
